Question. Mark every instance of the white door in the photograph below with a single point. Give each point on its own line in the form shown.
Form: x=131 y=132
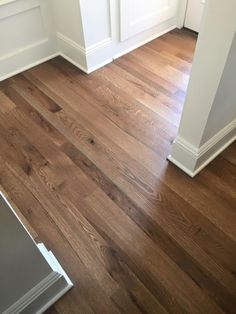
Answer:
x=194 y=14
x=138 y=15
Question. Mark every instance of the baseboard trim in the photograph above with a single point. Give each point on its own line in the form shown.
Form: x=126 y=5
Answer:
x=83 y=58
x=87 y=71
x=190 y=173
x=72 y=52
x=100 y=47
x=192 y=160
x=24 y=49
x=29 y=66
x=80 y=56
x=99 y=66
x=85 y=51
x=217 y=138
x=70 y=42
x=46 y=292
x=143 y=42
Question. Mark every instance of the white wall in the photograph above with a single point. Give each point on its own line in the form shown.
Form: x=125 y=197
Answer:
x=190 y=151
x=223 y=111
x=96 y=20
x=69 y=31
x=26 y=35
x=67 y=19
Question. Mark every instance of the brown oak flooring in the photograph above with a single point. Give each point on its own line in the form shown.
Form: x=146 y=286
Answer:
x=83 y=161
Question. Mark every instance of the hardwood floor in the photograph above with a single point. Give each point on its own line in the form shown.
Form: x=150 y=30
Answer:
x=83 y=161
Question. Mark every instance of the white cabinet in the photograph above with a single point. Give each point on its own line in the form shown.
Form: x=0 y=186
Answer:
x=138 y=16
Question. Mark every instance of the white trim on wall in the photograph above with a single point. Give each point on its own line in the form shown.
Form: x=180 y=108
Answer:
x=38 y=49
x=71 y=43
x=26 y=57
x=85 y=51
x=79 y=56
x=143 y=42
x=4 y=2
x=46 y=292
x=18 y=7
x=29 y=66
x=24 y=49
x=192 y=160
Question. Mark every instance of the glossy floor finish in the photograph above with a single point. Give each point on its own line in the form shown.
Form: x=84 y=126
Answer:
x=83 y=161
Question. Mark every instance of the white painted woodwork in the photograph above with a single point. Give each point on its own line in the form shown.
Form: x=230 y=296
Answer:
x=208 y=123
x=194 y=14
x=138 y=16
x=31 y=279
x=85 y=32
x=27 y=35
x=101 y=24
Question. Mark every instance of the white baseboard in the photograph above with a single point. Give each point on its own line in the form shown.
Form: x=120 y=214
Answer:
x=99 y=65
x=68 y=49
x=72 y=51
x=181 y=166
x=96 y=56
x=29 y=66
x=46 y=292
x=143 y=42
x=87 y=71
x=26 y=57
x=86 y=59
x=192 y=159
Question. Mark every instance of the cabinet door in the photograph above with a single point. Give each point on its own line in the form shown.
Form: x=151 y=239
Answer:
x=194 y=14
x=140 y=15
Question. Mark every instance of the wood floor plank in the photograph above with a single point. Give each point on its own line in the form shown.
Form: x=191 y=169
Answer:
x=47 y=175
x=83 y=161
x=213 y=242
x=6 y=103
x=100 y=124
x=167 y=72
x=230 y=153
x=69 y=223
x=101 y=207
x=123 y=112
x=83 y=298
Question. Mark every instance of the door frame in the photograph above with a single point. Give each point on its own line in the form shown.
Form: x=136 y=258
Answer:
x=183 y=6
x=182 y=13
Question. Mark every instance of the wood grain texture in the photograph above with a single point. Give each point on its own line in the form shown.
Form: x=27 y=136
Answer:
x=83 y=159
